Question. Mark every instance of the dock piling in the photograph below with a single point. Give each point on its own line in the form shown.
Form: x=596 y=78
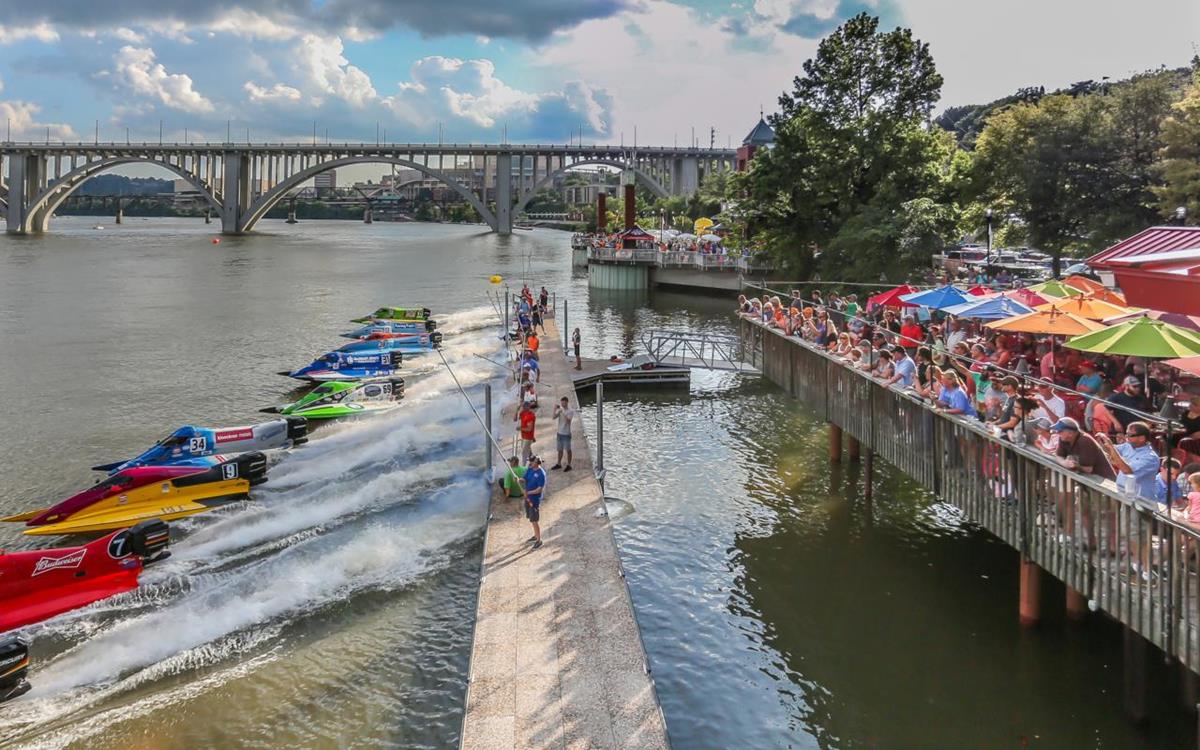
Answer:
x=487 y=418
x=1134 y=677
x=566 y=330
x=1031 y=592
x=600 y=433
x=853 y=448
x=1077 y=607
x=835 y=444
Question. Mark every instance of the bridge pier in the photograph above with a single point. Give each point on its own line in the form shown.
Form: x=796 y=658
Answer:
x=120 y=213
x=235 y=191
x=835 y=444
x=1031 y=592
x=504 y=203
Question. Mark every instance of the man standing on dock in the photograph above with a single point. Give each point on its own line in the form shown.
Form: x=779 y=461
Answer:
x=527 y=421
x=575 y=338
x=565 y=416
x=534 y=483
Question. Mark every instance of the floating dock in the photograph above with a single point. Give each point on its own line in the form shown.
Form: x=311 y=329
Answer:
x=598 y=370
x=557 y=659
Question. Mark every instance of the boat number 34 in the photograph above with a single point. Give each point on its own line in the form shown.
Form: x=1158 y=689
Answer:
x=198 y=444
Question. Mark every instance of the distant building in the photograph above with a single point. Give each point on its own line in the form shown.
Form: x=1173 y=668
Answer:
x=762 y=136
x=326 y=181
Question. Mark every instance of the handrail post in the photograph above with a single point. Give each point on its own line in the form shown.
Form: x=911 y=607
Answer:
x=487 y=418
x=600 y=432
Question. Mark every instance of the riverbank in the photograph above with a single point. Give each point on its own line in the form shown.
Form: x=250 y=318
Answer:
x=557 y=659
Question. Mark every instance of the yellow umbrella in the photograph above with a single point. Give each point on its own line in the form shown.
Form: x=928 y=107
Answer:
x=1086 y=306
x=1053 y=322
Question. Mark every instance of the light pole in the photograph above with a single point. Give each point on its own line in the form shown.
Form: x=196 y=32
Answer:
x=1181 y=215
x=988 y=257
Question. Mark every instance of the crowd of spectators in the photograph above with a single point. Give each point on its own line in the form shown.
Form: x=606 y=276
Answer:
x=1105 y=416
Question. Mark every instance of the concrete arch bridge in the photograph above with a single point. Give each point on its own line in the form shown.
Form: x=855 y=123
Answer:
x=243 y=181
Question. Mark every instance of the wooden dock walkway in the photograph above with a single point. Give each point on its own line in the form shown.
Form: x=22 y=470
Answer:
x=597 y=370
x=557 y=659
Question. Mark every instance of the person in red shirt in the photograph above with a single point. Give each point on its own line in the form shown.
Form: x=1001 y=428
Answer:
x=526 y=419
x=911 y=335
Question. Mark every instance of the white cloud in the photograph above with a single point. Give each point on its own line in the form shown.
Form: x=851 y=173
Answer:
x=324 y=71
x=21 y=120
x=277 y=93
x=126 y=34
x=43 y=32
x=135 y=69
x=247 y=23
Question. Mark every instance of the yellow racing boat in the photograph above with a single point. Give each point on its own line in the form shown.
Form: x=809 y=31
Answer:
x=144 y=492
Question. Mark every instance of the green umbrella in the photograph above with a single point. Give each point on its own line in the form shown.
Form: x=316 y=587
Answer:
x=1143 y=337
x=1056 y=288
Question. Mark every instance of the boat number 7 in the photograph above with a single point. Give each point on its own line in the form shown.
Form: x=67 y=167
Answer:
x=229 y=471
x=198 y=444
x=118 y=546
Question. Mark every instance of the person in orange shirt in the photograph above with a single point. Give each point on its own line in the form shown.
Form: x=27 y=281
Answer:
x=532 y=343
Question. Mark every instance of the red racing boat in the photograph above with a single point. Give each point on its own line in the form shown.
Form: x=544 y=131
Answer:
x=36 y=585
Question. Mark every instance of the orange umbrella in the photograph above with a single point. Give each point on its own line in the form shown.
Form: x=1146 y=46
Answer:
x=1095 y=288
x=1052 y=322
x=1086 y=306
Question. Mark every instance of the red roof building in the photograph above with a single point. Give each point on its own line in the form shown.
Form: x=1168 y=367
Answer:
x=1158 y=268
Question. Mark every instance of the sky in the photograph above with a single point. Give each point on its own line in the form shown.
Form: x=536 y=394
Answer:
x=536 y=71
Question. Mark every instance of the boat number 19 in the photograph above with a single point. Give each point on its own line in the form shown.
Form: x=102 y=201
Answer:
x=198 y=444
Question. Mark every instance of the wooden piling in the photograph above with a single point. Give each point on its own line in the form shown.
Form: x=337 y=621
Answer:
x=1031 y=591
x=853 y=449
x=835 y=444
x=1077 y=606
x=1134 y=677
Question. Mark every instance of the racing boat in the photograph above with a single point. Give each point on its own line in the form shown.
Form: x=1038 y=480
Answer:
x=406 y=345
x=36 y=585
x=337 y=365
x=396 y=313
x=346 y=398
x=392 y=326
x=207 y=446
x=144 y=492
x=386 y=331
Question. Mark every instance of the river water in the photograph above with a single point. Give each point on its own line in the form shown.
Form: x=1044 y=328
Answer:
x=779 y=609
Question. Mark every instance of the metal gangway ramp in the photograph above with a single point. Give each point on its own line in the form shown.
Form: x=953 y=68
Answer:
x=709 y=351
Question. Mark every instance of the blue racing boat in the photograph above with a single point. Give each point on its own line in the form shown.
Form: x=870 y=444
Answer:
x=208 y=446
x=389 y=328
x=406 y=345
x=339 y=365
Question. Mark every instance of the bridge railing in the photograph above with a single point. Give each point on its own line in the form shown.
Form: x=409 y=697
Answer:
x=679 y=259
x=712 y=351
x=1131 y=558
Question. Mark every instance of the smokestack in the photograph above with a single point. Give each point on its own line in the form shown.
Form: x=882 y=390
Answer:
x=630 y=207
x=601 y=210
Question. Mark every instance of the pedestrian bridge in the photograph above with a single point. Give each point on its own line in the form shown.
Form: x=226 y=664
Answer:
x=243 y=181
x=706 y=351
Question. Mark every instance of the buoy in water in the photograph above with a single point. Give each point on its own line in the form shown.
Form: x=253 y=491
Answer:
x=216 y=240
x=496 y=278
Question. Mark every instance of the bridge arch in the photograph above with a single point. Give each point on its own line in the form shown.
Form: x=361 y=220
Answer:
x=267 y=200
x=46 y=202
x=649 y=181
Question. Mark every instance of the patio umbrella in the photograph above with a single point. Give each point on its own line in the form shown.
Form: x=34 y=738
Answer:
x=1095 y=288
x=1087 y=306
x=1190 y=365
x=1053 y=322
x=992 y=308
x=1026 y=297
x=979 y=291
x=1143 y=337
x=938 y=299
x=891 y=298
x=1191 y=322
x=1054 y=288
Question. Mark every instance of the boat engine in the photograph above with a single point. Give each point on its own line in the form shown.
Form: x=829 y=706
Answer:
x=397 y=388
x=297 y=430
x=396 y=358
x=435 y=338
x=14 y=666
x=431 y=325
x=252 y=467
x=149 y=539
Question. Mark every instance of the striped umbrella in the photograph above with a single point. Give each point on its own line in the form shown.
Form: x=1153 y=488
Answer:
x=1143 y=337
x=1190 y=322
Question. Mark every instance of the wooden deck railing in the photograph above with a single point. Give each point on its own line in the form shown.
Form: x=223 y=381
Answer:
x=1135 y=563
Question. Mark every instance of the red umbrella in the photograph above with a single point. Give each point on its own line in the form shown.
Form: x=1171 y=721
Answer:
x=979 y=291
x=1190 y=365
x=1027 y=297
x=891 y=298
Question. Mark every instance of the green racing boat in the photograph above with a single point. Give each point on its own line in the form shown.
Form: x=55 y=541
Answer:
x=343 y=398
x=397 y=313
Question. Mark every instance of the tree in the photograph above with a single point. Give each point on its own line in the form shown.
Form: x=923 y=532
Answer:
x=842 y=190
x=1180 y=164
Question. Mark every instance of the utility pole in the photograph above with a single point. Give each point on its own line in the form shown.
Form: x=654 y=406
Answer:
x=314 y=132
x=160 y=132
x=229 y=131
x=377 y=134
x=712 y=137
x=97 y=132
x=693 y=136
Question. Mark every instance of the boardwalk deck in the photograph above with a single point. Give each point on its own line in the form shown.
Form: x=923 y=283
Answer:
x=1133 y=562
x=596 y=370
x=557 y=660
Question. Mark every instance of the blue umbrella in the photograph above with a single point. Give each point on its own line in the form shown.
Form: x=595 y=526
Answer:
x=993 y=308
x=942 y=297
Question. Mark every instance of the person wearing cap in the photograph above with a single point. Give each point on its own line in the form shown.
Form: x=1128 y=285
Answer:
x=510 y=482
x=1091 y=380
x=534 y=484
x=1009 y=386
x=1043 y=439
x=904 y=370
x=1050 y=406
x=1135 y=460
x=1129 y=395
x=1079 y=451
x=527 y=422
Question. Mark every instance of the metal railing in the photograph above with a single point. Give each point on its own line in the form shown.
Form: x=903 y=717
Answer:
x=710 y=351
x=678 y=259
x=1129 y=557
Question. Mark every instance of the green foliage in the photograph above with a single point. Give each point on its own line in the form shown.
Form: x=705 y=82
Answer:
x=1180 y=166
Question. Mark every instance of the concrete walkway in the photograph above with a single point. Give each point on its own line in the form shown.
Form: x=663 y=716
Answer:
x=557 y=660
